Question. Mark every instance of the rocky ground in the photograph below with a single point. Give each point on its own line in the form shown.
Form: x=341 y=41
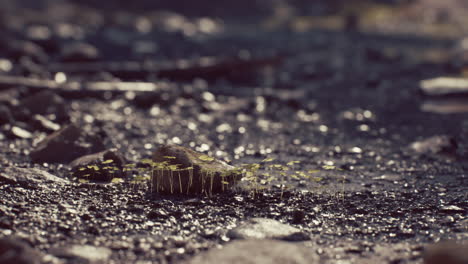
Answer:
x=338 y=94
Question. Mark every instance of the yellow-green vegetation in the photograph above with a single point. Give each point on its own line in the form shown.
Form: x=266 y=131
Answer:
x=103 y=170
x=175 y=169
x=196 y=173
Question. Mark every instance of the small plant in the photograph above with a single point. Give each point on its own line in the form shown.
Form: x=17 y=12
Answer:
x=342 y=180
x=166 y=176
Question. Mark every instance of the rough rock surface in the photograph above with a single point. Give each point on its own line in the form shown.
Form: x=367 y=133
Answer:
x=258 y=252
x=205 y=176
x=264 y=228
x=110 y=163
x=66 y=144
x=28 y=177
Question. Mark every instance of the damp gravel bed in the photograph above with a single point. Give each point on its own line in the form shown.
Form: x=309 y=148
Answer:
x=329 y=99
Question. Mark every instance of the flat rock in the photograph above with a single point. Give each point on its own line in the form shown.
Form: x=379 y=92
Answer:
x=28 y=177
x=83 y=254
x=258 y=252
x=110 y=163
x=448 y=252
x=66 y=144
x=14 y=251
x=265 y=228
x=196 y=173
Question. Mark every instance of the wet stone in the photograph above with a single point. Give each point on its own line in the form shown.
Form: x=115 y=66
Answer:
x=186 y=171
x=109 y=164
x=28 y=177
x=444 y=86
x=258 y=252
x=20 y=132
x=66 y=144
x=83 y=254
x=42 y=123
x=264 y=228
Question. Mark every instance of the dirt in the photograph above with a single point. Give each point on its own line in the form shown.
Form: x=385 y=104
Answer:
x=344 y=102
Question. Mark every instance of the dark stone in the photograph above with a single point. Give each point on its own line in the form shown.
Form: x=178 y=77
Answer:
x=5 y=222
x=44 y=103
x=67 y=144
x=107 y=170
x=9 y=96
x=14 y=251
x=79 y=52
x=298 y=216
x=20 y=48
x=446 y=253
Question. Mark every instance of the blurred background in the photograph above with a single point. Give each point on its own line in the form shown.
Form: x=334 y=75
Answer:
x=438 y=18
x=43 y=32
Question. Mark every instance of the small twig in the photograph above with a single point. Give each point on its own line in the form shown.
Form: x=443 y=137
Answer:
x=182 y=70
x=115 y=86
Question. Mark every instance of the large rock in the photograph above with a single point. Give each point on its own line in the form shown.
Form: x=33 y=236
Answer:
x=109 y=164
x=28 y=177
x=264 y=228
x=196 y=173
x=14 y=251
x=66 y=144
x=258 y=252
x=446 y=253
